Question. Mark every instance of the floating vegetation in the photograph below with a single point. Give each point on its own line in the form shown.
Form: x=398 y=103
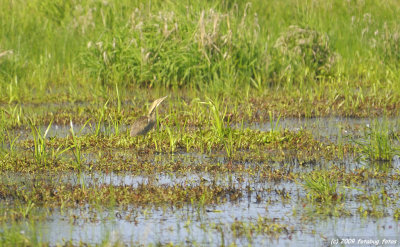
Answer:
x=52 y=195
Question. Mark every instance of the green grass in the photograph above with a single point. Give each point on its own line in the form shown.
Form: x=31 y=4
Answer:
x=379 y=142
x=67 y=50
x=322 y=187
x=76 y=146
x=40 y=150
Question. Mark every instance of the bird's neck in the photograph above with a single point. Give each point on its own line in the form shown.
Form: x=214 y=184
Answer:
x=152 y=117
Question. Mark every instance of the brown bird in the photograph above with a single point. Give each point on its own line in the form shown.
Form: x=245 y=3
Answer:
x=145 y=123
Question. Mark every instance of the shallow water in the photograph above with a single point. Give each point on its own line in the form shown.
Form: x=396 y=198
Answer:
x=61 y=131
x=212 y=225
x=189 y=225
x=331 y=128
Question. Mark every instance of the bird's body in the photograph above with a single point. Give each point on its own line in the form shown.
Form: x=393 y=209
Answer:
x=144 y=124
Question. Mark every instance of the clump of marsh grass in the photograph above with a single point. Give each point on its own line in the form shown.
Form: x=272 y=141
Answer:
x=301 y=53
x=40 y=150
x=379 y=143
x=15 y=115
x=220 y=125
x=322 y=187
x=218 y=115
x=177 y=48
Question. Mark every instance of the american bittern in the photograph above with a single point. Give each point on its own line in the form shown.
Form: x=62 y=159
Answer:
x=145 y=123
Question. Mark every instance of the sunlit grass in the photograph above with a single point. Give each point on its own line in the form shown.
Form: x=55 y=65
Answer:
x=379 y=142
x=287 y=46
x=40 y=151
x=322 y=187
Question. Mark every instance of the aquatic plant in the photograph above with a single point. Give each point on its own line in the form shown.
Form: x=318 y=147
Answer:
x=229 y=144
x=217 y=117
x=322 y=187
x=11 y=143
x=113 y=122
x=396 y=214
x=101 y=113
x=40 y=151
x=172 y=139
x=273 y=126
x=13 y=116
x=220 y=122
x=262 y=225
x=378 y=143
x=76 y=145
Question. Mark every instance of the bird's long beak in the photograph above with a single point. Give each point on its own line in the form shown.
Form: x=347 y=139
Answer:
x=155 y=104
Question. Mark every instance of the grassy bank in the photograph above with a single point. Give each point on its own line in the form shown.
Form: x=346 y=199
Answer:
x=290 y=50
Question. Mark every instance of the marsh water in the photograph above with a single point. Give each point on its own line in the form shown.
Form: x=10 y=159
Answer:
x=209 y=226
x=279 y=203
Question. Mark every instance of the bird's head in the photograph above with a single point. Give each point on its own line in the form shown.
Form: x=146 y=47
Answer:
x=155 y=105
